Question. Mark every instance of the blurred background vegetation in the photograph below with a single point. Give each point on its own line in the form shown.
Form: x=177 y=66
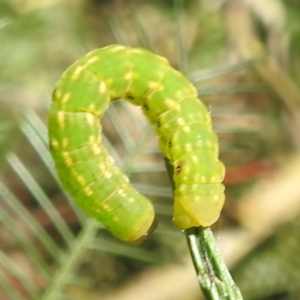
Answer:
x=243 y=57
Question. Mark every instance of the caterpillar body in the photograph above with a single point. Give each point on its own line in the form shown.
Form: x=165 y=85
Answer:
x=182 y=123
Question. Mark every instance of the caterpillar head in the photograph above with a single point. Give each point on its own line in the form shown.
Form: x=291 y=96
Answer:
x=197 y=204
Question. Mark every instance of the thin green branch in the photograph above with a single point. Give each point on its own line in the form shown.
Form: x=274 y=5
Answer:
x=181 y=52
x=12 y=269
x=213 y=275
x=25 y=241
x=41 y=197
x=8 y=287
x=29 y=221
x=71 y=261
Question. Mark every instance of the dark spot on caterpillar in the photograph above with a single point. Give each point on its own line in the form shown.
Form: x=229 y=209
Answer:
x=178 y=169
x=158 y=123
x=129 y=97
x=170 y=144
x=146 y=107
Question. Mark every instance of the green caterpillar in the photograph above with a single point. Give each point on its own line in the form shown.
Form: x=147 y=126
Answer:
x=182 y=122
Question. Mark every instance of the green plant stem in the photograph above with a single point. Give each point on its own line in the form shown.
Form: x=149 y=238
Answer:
x=213 y=275
x=71 y=260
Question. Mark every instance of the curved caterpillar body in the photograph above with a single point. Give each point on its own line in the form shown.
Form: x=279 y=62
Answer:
x=182 y=122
